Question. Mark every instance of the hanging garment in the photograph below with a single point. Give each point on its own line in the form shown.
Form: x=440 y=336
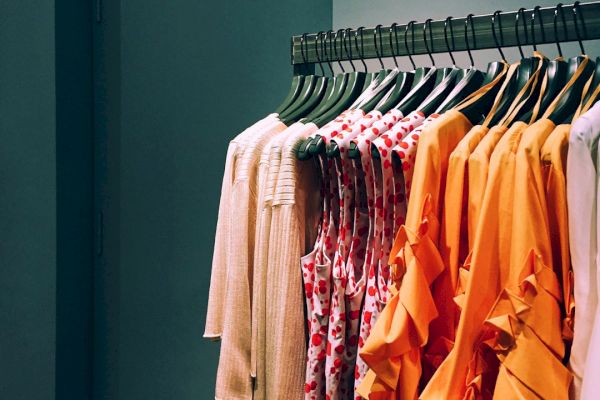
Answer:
x=590 y=385
x=511 y=282
x=317 y=266
x=216 y=304
x=454 y=243
x=346 y=299
x=372 y=303
x=407 y=151
x=295 y=214
x=582 y=181
x=554 y=159
x=234 y=371
x=393 y=349
x=268 y=169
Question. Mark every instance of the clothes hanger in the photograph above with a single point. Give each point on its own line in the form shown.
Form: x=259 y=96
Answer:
x=334 y=85
x=340 y=80
x=420 y=92
x=475 y=112
x=468 y=80
x=395 y=97
x=296 y=87
x=340 y=83
x=335 y=82
x=556 y=70
x=569 y=101
x=495 y=67
x=294 y=114
x=526 y=68
x=431 y=98
x=401 y=85
x=309 y=84
x=411 y=81
x=361 y=54
x=352 y=91
x=472 y=79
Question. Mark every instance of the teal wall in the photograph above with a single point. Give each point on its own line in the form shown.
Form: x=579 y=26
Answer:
x=28 y=200
x=45 y=206
x=176 y=81
x=355 y=13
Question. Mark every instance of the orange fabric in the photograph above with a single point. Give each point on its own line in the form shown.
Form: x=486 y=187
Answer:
x=393 y=349
x=513 y=232
x=488 y=270
x=531 y=242
x=453 y=251
x=519 y=322
x=478 y=169
x=554 y=158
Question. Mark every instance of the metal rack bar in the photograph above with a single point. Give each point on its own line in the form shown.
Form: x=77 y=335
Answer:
x=588 y=29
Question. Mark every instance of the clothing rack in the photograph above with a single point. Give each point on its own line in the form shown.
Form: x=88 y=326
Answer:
x=479 y=34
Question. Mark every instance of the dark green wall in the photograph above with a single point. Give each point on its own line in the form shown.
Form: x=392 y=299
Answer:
x=74 y=197
x=45 y=205
x=27 y=200
x=176 y=81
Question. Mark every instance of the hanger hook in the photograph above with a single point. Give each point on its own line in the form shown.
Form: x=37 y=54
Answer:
x=302 y=40
x=335 y=49
x=536 y=9
x=326 y=41
x=425 y=25
x=317 y=37
x=469 y=21
x=498 y=46
x=361 y=51
x=521 y=13
x=448 y=22
x=410 y=24
x=564 y=22
x=377 y=32
x=393 y=50
x=347 y=48
x=576 y=11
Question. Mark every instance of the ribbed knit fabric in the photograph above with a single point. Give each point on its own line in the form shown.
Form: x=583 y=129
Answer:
x=267 y=178
x=294 y=221
x=234 y=373
x=216 y=303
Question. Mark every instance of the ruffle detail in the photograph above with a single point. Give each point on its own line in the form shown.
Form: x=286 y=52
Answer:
x=524 y=331
x=393 y=349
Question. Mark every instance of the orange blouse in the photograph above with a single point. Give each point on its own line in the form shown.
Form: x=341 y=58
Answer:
x=393 y=349
x=463 y=369
x=554 y=161
x=454 y=249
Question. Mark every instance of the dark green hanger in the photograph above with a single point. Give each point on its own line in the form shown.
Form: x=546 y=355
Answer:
x=460 y=82
x=556 y=70
x=470 y=80
x=307 y=87
x=475 y=111
x=525 y=70
x=570 y=100
x=405 y=80
x=318 y=93
x=333 y=149
x=353 y=90
x=329 y=99
x=294 y=92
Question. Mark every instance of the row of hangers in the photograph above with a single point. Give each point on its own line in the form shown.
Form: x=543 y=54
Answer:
x=320 y=99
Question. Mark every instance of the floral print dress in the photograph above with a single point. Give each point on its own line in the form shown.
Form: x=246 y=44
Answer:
x=346 y=300
x=317 y=267
x=371 y=304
